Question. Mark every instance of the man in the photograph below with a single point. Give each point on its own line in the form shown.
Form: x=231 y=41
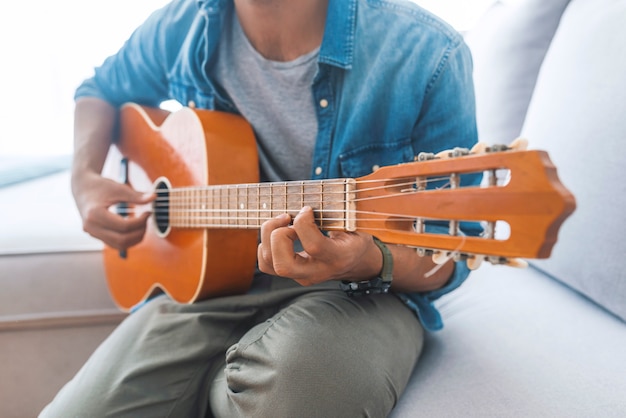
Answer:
x=332 y=88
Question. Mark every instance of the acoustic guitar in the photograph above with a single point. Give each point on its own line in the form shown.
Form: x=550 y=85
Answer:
x=202 y=237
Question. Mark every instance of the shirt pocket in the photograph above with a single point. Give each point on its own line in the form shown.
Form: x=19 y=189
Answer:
x=366 y=159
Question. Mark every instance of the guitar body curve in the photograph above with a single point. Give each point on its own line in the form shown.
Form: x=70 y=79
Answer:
x=190 y=147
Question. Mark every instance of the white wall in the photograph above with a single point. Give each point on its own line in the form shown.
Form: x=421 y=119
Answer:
x=49 y=47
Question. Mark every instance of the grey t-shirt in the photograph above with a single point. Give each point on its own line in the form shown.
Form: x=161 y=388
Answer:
x=277 y=100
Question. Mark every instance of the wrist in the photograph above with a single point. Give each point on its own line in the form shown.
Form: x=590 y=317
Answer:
x=379 y=284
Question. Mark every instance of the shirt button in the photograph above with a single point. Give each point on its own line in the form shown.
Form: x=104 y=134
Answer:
x=318 y=171
x=191 y=104
x=324 y=103
x=375 y=167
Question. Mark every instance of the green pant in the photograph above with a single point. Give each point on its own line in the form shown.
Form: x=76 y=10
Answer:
x=289 y=351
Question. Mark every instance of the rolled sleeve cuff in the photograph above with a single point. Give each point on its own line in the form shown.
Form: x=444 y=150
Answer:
x=422 y=303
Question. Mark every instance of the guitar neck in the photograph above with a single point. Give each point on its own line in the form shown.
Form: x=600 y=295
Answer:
x=247 y=206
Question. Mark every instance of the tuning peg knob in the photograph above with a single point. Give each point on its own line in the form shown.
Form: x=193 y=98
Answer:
x=473 y=263
x=440 y=257
x=520 y=144
x=479 y=148
x=516 y=262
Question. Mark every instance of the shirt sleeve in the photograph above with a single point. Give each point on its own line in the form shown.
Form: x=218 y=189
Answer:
x=423 y=302
x=448 y=120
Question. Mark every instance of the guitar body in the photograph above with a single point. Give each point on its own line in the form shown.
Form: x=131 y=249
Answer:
x=188 y=148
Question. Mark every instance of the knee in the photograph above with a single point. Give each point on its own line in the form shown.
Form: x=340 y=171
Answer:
x=330 y=368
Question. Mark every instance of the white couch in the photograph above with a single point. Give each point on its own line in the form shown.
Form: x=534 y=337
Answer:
x=54 y=305
x=550 y=340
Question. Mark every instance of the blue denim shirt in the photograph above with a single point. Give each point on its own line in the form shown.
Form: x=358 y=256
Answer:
x=392 y=81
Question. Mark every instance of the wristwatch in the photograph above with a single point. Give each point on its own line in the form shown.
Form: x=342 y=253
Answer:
x=380 y=284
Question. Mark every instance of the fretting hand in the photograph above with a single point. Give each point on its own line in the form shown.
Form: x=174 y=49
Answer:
x=338 y=256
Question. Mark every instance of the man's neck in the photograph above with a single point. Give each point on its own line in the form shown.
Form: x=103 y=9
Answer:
x=282 y=30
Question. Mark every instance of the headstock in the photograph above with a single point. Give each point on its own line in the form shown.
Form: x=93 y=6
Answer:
x=520 y=192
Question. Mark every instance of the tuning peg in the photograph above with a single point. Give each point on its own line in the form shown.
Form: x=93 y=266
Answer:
x=440 y=257
x=425 y=156
x=473 y=263
x=511 y=262
x=453 y=153
x=516 y=262
x=520 y=144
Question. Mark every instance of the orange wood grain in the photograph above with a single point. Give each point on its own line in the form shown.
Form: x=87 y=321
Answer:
x=534 y=203
x=191 y=147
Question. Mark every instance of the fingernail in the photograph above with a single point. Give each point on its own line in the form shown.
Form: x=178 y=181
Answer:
x=305 y=209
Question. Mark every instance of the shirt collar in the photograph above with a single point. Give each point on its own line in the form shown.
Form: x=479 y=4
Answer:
x=212 y=6
x=338 y=42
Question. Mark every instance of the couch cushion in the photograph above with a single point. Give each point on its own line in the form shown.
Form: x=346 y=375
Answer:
x=39 y=216
x=518 y=344
x=578 y=114
x=508 y=46
x=55 y=308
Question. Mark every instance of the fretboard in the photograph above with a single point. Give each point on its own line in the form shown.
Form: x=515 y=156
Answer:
x=247 y=206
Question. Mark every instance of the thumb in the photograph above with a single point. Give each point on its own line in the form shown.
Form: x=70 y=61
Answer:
x=136 y=197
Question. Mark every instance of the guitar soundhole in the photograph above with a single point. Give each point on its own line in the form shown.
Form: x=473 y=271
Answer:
x=162 y=207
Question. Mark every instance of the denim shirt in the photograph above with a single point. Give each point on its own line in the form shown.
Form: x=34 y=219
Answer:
x=392 y=81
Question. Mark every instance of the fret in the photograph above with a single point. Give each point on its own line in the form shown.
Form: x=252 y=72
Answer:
x=193 y=210
x=332 y=198
x=173 y=212
x=278 y=198
x=232 y=205
x=253 y=206
x=183 y=207
x=223 y=205
x=265 y=201
x=242 y=206
x=312 y=196
x=213 y=207
x=188 y=207
x=322 y=209
x=293 y=198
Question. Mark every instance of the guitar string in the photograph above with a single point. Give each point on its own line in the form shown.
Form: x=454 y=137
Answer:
x=186 y=195
x=304 y=183
x=376 y=216
x=185 y=201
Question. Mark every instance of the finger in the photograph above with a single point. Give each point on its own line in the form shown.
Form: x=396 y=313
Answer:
x=285 y=261
x=112 y=192
x=117 y=239
x=312 y=239
x=139 y=198
x=264 y=265
x=120 y=224
x=115 y=230
x=267 y=228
